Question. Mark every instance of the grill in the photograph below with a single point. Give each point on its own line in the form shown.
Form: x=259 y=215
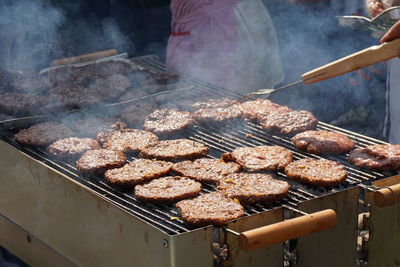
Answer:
x=165 y=218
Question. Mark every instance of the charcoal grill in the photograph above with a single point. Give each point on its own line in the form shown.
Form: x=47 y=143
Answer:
x=52 y=211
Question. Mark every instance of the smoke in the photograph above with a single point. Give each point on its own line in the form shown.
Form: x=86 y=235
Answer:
x=33 y=33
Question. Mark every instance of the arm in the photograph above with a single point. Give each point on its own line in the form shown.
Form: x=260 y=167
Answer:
x=374 y=7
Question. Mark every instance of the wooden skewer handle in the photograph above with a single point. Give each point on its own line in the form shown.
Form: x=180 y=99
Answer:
x=387 y=196
x=84 y=58
x=282 y=231
x=358 y=60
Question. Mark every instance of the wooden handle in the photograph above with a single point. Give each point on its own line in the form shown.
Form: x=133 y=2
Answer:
x=282 y=231
x=387 y=196
x=85 y=57
x=358 y=60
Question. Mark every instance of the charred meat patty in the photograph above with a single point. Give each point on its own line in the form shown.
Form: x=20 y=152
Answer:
x=137 y=172
x=213 y=103
x=259 y=108
x=43 y=134
x=377 y=157
x=289 y=123
x=20 y=104
x=176 y=149
x=168 y=189
x=99 y=161
x=129 y=140
x=205 y=169
x=320 y=142
x=319 y=172
x=70 y=149
x=250 y=188
x=213 y=208
x=217 y=115
x=260 y=158
x=167 y=121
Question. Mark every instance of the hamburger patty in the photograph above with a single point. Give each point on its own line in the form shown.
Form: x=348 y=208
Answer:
x=213 y=103
x=136 y=113
x=319 y=172
x=166 y=121
x=213 y=208
x=320 y=142
x=259 y=108
x=250 y=188
x=129 y=140
x=17 y=103
x=215 y=115
x=167 y=189
x=260 y=158
x=205 y=169
x=377 y=157
x=100 y=160
x=136 y=172
x=72 y=148
x=289 y=123
x=109 y=87
x=176 y=149
x=43 y=134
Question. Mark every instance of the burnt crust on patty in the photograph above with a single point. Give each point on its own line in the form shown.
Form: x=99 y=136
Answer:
x=213 y=208
x=382 y=157
x=318 y=172
x=98 y=161
x=250 y=188
x=289 y=123
x=322 y=141
x=205 y=169
x=129 y=140
x=43 y=134
x=137 y=172
x=167 y=190
x=70 y=149
x=260 y=158
x=176 y=149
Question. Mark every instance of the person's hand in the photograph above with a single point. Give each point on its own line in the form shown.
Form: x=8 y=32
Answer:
x=393 y=33
x=375 y=7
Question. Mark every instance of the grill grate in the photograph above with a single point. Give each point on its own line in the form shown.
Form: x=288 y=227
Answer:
x=230 y=136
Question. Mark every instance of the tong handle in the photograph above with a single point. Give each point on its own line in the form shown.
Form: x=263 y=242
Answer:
x=84 y=57
x=292 y=228
x=358 y=60
x=387 y=196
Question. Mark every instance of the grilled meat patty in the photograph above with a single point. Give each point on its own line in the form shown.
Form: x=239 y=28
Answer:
x=377 y=157
x=217 y=115
x=109 y=87
x=98 y=161
x=176 y=149
x=27 y=82
x=213 y=103
x=129 y=140
x=70 y=149
x=213 y=208
x=250 y=188
x=168 y=189
x=137 y=172
x=320 y=142
x=260 y=158
x=259 y=108
x=43 y=134
x=20 y=104
x=98 y=127
x=319 y=172
x=205 y=169
x=167 y=121
x=289 y=123
x=136 y=113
